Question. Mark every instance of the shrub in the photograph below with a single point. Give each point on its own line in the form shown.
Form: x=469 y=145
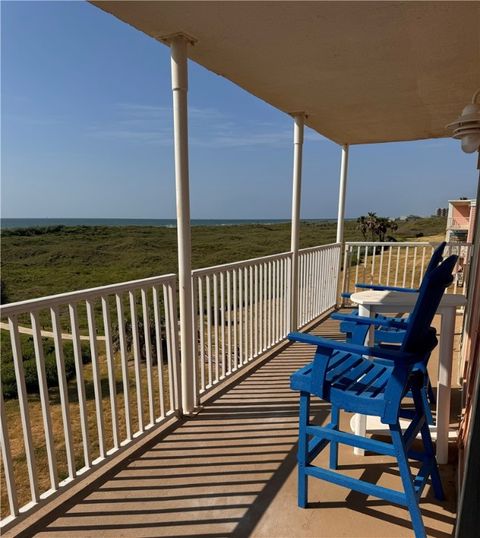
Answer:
x=9 y=384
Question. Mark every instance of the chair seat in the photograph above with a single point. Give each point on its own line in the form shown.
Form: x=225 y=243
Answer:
x=352 y=383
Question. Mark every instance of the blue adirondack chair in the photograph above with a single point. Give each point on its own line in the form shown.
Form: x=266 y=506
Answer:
x=356 y=331
x=342 y=374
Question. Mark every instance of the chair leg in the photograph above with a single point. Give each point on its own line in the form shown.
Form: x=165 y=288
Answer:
x=407 y=481
x=302 y=456
x=426 y=406
x=428 y=445
x=334 y=444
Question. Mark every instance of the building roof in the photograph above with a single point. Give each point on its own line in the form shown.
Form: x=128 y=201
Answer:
x=363 y=71
x=470 y=201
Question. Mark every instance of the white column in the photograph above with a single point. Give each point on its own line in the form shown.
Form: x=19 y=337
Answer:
x=178 y=46
x=341 y=194
x=341 y=223
x=296 y=196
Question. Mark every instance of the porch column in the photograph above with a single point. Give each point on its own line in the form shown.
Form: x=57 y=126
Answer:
x=299 y=120
x=341 y=194
x=341 y=223
x=178 y=48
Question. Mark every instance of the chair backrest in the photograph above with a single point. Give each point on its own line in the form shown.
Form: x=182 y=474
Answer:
x=418 y=337
x=434 y=261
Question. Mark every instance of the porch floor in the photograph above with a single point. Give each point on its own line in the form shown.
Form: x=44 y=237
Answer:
x=230 y=471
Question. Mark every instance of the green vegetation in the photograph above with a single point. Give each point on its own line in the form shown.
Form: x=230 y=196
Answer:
x=9 y=384
x=44 y=261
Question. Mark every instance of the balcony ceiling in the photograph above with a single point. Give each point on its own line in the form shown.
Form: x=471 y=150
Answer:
x=364 y=72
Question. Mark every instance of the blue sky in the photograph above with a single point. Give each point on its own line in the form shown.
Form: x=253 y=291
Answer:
x=87 y=132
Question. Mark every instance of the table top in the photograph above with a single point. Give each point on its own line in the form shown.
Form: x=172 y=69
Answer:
x=397 y=299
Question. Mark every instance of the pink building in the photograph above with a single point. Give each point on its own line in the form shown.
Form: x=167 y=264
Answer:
x=460 y=222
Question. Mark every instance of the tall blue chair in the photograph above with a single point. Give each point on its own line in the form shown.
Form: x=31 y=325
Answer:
x=342 y=374
x=356 y=331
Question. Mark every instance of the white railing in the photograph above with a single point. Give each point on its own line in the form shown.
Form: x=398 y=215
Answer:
x=399 y=264
x=74 y=413
x=240 y=310
x=85 y=373
x=318 y=279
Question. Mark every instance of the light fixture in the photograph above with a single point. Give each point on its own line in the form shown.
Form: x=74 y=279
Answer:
x=467 y=126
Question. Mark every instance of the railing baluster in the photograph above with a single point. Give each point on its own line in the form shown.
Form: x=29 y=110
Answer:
x=82 y=401
x=357 y=266
x=405 y=267
x=240 y=317
x=136 y=360
x=374 y=256
x=235 y=322
x=270 y=333
x=172 y=301
x=397 y=267
x=414 y=266
x=97 y=386
x=229 y=322
x=170 y=351
x=124 y=363
x=209 y=332
x=215 y=325
x=222 y=320
x=195 y=319
x=23 y=407
x=245 y=310
x=280 y=300
x=389 y=265
x=277 y=301
x=44 y=401
x=256 y=320
x=265 y=308
x=250 y=310
x=423 y=265
x=159 y=349
x=7 y=460
x=201 y=325
x=148 y=354
x=112 y=384
x=63 y=391
x=380 y=274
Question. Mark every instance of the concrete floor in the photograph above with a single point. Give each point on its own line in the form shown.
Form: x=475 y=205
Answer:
x=230 y=471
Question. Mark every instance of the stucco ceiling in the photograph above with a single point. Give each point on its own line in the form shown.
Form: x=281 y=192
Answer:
x=363 y=71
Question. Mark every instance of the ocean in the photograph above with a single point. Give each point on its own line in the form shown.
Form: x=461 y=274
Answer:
x=168 y=223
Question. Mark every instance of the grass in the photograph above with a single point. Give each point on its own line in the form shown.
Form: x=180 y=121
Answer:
x=64 y=259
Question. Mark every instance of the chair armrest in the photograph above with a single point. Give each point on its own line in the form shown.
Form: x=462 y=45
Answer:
x=378 y=322
x=376 y=351
x=379 y=287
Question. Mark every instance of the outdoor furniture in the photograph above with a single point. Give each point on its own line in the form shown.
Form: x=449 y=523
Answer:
x=372 y=303
x=344 y=375
x=357 y=332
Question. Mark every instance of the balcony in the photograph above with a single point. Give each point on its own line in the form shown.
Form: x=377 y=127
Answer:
x=111 y=439
x=458 y=223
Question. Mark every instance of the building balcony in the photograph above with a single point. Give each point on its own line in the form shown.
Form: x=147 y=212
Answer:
x=458 y=223
x=106 y=450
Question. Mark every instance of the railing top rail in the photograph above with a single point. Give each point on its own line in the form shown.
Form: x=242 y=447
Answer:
x=320 y=247
x=404 y=243
x=238 y=265
x=79 y=295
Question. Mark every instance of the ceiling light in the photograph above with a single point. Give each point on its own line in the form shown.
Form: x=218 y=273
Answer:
x=467 y=127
